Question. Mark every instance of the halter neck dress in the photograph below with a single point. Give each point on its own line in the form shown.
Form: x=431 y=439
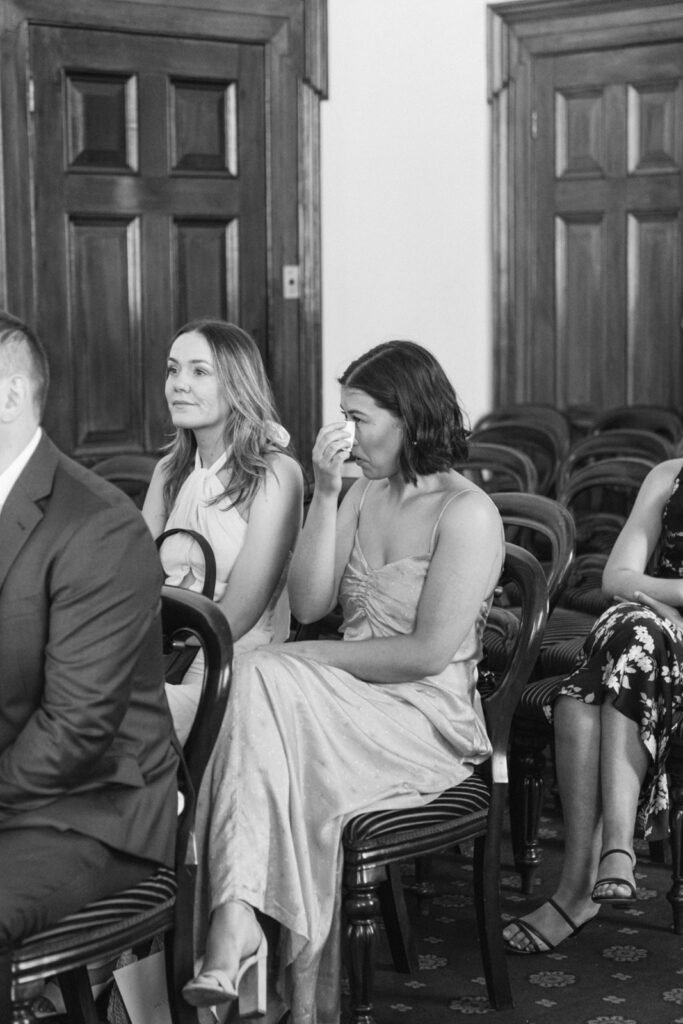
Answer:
x=225 y=529
x=305 y=747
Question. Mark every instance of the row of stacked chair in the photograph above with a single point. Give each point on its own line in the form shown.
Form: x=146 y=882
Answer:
x=570 y=520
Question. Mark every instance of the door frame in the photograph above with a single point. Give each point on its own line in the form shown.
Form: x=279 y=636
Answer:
x=294 y=36
x=518 y=34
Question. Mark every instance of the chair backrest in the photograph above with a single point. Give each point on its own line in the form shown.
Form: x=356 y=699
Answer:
x=495 y=467
x=186 y=615
x=600 y=497
x=190 y=616
x=525 y=517
x=540 y=444
x=131 y=473
x=657 y=418
x=523 y=570
x=617 y=443
x=549 y=416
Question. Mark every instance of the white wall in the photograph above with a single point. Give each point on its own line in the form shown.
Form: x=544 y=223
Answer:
x=405 y=188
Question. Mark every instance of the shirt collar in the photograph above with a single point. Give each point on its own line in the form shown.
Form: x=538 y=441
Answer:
x=9 y=477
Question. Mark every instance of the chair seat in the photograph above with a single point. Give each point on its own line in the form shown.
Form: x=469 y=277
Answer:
x=462 y=808
x=535 y=697
x=104 y=925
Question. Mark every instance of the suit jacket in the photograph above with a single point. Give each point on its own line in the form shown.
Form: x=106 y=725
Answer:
x=85 y=731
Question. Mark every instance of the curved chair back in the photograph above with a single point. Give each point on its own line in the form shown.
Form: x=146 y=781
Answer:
x=495 y=467
x=600 y=497
x=130 y=473
x=548 y=416
x=617 y=443
x=657 y=418
x=523 y=570
x=537 y=514
x=540 y=444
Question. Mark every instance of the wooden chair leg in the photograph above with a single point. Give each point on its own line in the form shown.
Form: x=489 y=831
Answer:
x=527 y=765
x=396 y=920
x=362 y=909
x=675 y=893
x=78 y=999
x=486 y=882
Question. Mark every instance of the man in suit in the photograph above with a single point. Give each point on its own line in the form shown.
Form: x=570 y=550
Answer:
x=87 y=768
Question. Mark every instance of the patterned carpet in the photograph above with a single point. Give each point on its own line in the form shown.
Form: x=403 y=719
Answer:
x=624 y=968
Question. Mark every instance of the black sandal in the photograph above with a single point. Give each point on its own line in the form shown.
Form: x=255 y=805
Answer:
x=538 y=939
x=632 y=895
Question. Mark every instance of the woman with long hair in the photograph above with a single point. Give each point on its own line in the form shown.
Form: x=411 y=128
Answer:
x=318 y=731
x=229 y=476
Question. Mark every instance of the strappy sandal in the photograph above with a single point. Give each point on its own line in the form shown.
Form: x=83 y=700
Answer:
x=539 y=942
x=632 y=895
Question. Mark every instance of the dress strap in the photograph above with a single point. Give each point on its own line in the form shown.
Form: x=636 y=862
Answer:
x=362 y=497
x=468 y=490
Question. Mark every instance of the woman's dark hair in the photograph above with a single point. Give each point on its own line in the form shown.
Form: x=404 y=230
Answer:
x=252 y=428
x=409 y=382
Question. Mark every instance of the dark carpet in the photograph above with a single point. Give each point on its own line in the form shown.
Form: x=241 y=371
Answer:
x=626 y=967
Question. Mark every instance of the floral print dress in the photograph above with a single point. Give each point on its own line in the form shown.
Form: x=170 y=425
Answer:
x=637 y=656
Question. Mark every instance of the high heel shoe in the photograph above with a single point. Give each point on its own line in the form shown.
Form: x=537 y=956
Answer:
x=214 y=987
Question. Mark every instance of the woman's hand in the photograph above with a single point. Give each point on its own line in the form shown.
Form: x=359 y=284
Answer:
x=330 y=451
x=666 y=611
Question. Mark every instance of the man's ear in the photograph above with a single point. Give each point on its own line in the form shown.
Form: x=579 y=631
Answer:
x=15 y=397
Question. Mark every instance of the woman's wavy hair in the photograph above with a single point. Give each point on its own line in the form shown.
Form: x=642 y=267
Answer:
x=409 y=382
x=251 y=428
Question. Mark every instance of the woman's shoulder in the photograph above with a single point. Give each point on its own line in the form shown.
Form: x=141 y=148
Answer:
x=284 y=471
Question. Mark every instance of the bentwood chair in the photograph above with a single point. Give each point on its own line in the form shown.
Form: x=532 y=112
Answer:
x=374 y=843
x=548 y=416
x=130 y=473
x=611 y=444
x=163 y=904
x=660 y=419
x=495 y=467
x=540 y=443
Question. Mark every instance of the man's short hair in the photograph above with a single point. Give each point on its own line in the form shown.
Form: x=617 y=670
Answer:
x=21 y=351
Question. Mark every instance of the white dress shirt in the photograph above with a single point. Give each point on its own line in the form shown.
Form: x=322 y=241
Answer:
x=9 y=477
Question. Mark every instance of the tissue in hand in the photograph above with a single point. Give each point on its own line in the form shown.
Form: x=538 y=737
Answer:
x=350 y=430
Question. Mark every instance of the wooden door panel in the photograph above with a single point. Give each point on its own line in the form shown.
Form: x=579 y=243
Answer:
x=108 y=393
x=142 y=139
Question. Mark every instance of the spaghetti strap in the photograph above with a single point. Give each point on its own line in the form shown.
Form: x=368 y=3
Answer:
x=362 y=497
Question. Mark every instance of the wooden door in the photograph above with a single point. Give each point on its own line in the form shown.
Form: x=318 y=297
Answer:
x=588 y=201
x=159 y=160
x=608 y=162
x=150 y=207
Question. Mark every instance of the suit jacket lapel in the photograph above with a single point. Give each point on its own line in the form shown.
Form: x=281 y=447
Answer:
x=23 y=510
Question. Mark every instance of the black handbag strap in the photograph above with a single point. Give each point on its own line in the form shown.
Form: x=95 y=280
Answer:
x=207 y=551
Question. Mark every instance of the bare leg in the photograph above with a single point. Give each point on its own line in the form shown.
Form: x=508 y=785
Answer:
x=577 y=751
x=624 y=762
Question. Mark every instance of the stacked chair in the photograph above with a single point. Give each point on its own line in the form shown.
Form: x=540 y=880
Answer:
x=163 y=904
x=656 y=418
x=496 y=467
x=541 y=432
